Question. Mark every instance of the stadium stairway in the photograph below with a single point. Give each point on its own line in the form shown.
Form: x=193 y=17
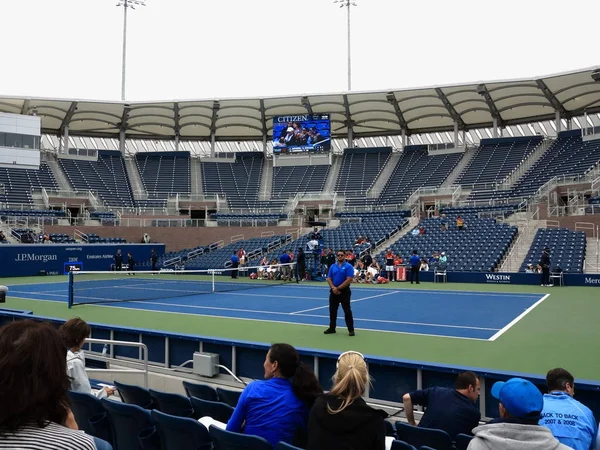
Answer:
x=139 y=193
x=381 y=181
x=592 y=258
x=412 y=223
x=528 y=162
x=520 y=247
x=59 y=175
x=266 y=180
x=334 y=172
x=460 y=167
x=196 y=176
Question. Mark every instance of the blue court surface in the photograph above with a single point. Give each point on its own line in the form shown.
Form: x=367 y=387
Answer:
x=456 y=314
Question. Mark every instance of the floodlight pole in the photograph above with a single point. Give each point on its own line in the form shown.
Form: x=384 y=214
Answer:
x=347 y=4
x=126 y=4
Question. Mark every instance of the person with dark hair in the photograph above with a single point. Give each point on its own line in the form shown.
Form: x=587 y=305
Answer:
x=118 y=260
x=277 y=407
x=342 y=418
x=520 y=407
x=35 y=412
x=235 y=262
x=153 y=259
x=415 y=265
x=451 y=410
x=301 y=265
x=74 y=332
x=340 y=278
x=545 y=265
x=578 y=427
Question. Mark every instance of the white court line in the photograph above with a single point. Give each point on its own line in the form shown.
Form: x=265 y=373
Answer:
x=352 y=301
x=519 y=317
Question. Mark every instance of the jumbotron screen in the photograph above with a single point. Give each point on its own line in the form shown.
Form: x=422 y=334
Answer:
x=301 y=133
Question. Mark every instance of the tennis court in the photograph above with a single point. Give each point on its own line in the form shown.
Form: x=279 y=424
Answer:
x=454 y=314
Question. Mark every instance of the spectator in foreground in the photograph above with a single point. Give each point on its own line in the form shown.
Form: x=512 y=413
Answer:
x=579 y=428
x=342 y=419
x=451 y=410
x=74 y=332
x=520 y=408
x=35 y=411
x=277 y=407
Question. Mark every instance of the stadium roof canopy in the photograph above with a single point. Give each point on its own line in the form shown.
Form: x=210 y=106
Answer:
x=378 y=113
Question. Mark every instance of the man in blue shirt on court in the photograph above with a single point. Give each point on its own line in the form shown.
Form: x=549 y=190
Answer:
x=570 y=421
x=415 y=265
x=339 y=278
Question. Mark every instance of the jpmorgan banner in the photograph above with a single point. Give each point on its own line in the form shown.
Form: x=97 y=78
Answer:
x=51 y=259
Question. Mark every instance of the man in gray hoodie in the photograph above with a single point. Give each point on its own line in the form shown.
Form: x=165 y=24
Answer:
x=521 y=404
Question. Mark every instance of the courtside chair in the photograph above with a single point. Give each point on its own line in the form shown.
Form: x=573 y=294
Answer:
x=461 y=441
x=181 y=433
x=401 y=445
x=228 y=440
x=389 y=428
x=173 y=404
x=419 y=437
x=203 y=391
x=217 y=410
x=228 y=396
x=286 y=446
x=90 y=415
x=132 y=426
x=135 y=395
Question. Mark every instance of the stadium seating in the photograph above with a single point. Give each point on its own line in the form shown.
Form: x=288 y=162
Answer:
x=18 y=183
x=419 y=437
x=494 y=159
x=6 y=213
x=567 y=249
x=107 y=176
x=291 y=180
x=478 y=248
x=180 y=433
x=360 y=167
x=164 y=173
x=172 y=404
x=201 y=391
x=90 y=415
x=414 y=169
x=92 y=238
x=258 y=219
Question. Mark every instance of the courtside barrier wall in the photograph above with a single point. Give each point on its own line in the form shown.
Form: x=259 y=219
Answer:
x=56 y=259
x=392 y=377
x=533 y=279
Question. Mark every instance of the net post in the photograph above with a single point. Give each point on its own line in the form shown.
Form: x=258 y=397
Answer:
x=212 y=278
x=70 y=300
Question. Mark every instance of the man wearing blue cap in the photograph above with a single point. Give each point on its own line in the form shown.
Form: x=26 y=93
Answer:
x=570 y=421
x=520 y=408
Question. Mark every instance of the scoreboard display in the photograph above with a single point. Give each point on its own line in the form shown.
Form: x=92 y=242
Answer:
x=73 y=267
x=301 y=133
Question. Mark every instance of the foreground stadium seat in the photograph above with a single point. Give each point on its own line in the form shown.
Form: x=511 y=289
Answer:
x=401 y=445
x=419 y=437
x=461 y=441
x=228 y=396
x=286 y=446
x=173 y=404
x=202 y=391
x=132 y=426
x=228 y=440
x=217 y=410
x=181 y=433
x=90 y=415
x=135 y=395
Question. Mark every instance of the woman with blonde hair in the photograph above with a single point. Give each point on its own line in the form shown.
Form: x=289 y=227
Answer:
x=342 y=419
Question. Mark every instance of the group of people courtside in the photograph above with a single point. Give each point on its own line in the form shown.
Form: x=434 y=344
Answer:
x=118 y=258
x=288 y=405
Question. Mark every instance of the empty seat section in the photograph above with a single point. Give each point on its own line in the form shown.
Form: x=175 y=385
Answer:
x=19 y=182
x=360 y=167
x=107 y=176
x=164 y=173
x=290 y=180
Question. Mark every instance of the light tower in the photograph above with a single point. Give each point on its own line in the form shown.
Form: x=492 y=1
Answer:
x=126 y=4
x=347 y=4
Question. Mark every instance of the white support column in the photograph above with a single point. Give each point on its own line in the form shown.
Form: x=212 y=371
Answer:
x=177 y=142
x=65 y=141
x=569 y=124
x=264 y=143
x=464 y=138
x=122 y=142
x=558 y=122
x=212 y=144
x=350 y=137
x=455 y=133
x=495 y=127
x=403 y=138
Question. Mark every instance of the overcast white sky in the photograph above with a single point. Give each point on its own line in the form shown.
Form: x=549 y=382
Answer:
x=194 y=49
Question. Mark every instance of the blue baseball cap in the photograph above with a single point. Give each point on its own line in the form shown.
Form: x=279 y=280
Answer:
x=519 y=397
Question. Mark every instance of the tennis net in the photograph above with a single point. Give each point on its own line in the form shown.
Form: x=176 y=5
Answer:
x=87 y=287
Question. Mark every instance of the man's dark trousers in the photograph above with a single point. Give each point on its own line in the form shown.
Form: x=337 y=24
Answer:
x=414 y=272
x=545 y=274
x=334 y=304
